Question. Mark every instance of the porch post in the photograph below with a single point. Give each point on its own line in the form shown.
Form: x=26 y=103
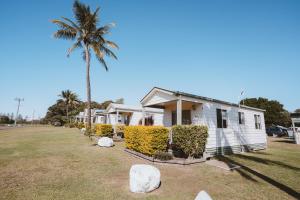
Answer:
x=117 y=117
x=117 y=122
x=143 y=116
x=294 y=128
x=179 y=111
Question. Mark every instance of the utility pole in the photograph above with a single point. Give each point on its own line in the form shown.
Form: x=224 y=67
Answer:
x=240 y=97
x=19 y=102
x=32 y=117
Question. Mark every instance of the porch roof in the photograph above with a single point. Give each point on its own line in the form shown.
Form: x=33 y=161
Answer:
x=179 y=93
x=296 y=120
x=113 y=107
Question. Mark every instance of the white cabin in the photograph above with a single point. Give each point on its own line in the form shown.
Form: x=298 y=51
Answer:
x=133 y=115
x=232 y=128
x=121 y=114
x=97 y=116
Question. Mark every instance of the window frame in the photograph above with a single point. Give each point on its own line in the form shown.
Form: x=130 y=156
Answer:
x=257 y=122
x=241 y=118
x=184 y=113
x=222 y=118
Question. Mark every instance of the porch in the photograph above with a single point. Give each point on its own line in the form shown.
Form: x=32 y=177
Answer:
x=118 y=117
x=179 y=112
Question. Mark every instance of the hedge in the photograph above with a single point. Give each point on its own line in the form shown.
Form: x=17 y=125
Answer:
x=190 y=139
x=103 y=130
x=146 y=139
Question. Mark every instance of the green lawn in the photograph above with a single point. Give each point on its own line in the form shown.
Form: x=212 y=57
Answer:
x=57 y=163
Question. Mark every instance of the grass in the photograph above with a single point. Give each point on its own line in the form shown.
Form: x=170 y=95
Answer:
x=57 y=163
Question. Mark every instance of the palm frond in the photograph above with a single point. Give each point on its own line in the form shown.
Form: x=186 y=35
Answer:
x=102 y=61
x=81 y=12
x=65 y=34
x=99 y=55
x=84 y=31
x=73 y=23
x=112 y=44
x=64 y=25
x=95 y=15
x=103 y=30
x=108 y=52
x=74 y=46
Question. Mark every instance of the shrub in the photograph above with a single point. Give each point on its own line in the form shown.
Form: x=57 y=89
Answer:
x=160 y=155
x=190 y=139
x=80 y=125
x=104 y=130
x=146 y=139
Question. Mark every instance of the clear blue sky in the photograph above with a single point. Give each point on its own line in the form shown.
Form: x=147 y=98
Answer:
x=210 y=48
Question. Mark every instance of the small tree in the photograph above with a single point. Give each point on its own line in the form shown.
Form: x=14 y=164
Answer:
x=70 y=99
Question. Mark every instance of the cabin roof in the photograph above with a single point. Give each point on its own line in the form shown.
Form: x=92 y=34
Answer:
x=179 y=93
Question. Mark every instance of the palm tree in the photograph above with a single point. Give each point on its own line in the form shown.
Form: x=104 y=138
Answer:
x=70 y=99
x=87 y=35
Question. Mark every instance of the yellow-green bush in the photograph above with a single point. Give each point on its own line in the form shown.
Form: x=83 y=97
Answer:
x=146 y=139
x=190 y=139
x=103 y=130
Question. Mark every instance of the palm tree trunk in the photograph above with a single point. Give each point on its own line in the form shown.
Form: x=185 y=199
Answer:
x=88 y=86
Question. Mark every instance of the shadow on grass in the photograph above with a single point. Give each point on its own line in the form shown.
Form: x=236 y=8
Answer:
x=285 y=141
x=245 y=171
x=266 y=161
x=261 y=153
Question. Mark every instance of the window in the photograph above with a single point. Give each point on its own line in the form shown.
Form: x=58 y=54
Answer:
x=119 y=118
x=241 y=118
x=186 y=117
x=149 y=121
x=257 y=121
x=221 y=118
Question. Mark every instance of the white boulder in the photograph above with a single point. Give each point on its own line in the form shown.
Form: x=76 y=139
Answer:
x=203 y=196
x=105 y=142
x=143 y=178
x=82 y=130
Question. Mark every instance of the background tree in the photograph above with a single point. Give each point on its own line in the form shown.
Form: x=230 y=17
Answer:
x=70 y=99
x=297 y=110
x=275 y=113
x=120 y=101
x=87 y=35
x=5 y=119
x=57 y=112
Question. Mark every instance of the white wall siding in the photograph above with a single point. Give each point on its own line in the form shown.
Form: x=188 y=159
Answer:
x=158 y=119
x=234 y=134
x=167 y=118
x=135 y=118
